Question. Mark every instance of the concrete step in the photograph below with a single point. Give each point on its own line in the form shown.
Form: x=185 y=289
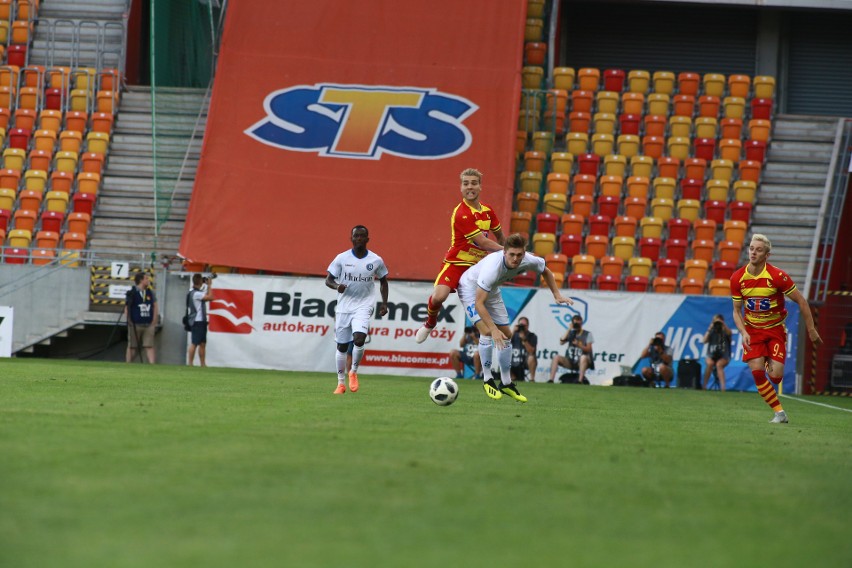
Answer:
x=144 y=144
x=798 y=195
x=795 y=173
x=785 y=215
x=804 y=128
x=167 y=167
x=83 y=10
x=168 y=124
x=797 y=151
x=121 y=186
x=140 y=207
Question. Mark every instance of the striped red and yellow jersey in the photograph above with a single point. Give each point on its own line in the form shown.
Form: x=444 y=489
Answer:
x=763 y=295
x=466 y=223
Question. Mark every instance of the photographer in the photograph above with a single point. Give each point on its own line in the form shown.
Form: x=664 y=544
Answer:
x=467 y=354
x=524 y=343
x=661 y=360
x=197 y=317
x=579 y=356
x=718 y=340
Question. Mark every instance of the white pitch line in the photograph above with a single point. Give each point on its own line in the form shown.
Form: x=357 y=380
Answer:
x=817 y=403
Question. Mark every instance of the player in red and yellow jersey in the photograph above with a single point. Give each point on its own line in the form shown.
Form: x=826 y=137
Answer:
x=760 y=289
x=471 y=223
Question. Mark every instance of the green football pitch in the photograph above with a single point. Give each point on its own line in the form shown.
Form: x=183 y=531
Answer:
x=155 y=466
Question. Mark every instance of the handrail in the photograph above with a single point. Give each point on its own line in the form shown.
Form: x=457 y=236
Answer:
x=826 y=195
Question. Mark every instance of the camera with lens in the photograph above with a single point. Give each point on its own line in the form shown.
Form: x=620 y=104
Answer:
x=657 y=342
x=207 y=279
x=469 y=329
x=717 y=326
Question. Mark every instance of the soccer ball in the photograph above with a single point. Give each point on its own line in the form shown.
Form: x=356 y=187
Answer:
x=443 y=391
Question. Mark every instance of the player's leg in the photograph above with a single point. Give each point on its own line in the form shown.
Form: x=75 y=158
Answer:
x=445 y=283
x=486 y=354
x=360 y=329
x=756 y=357
x=497 y=310
x=343 y=336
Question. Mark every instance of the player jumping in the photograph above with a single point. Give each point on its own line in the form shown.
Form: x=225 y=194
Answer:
x=471 y=221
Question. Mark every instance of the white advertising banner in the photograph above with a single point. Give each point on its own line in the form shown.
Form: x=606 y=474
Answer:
x=288 y=323
x=6 y=320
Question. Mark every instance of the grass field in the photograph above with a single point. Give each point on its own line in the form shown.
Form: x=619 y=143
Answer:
x=152 y=466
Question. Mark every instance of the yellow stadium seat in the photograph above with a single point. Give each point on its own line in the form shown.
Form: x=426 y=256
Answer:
x=664 y=82
x=651 y=227
x=35 y=179
x=534 y=30
x=561 y=162
x=706 y=127
x=577 y=143
x=604 y=123
x=722 y=169
x=639 y=266
x=602 y=144
x=642 y=166
x=543 y=142
x=531 y=181
x=14 y=159
x=97 y=142
x=714 y=84
x=678 y=147
x=563 y=78
x=745 y=191
x=662 y=208
x=688 y=209
x=7 y=198
x=80 y=100
x=764 y=87
x=66 y=161
x=717 y=190
x=628 y=145
x=658 y=103
x=531 y=77
x=56 y=201
x=555 y=203
x=607 y=102
x=544 y=244
x=680 y=126
x=665 y=187
x=734 y=107
x=615 y=165
x=638 y=81
x=623 y=247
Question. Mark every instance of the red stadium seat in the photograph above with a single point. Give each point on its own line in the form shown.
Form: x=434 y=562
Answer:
x=724 y=269
x=570 y=245
x=741 y=211
x=614 y=80
x=761 y=108
x=690 y=188
x=678 y=228
x=84 y=203
x=608 y=282
x=715 y=211
x=630 y=123
x=5 y=216
x=636 y=283
x=588 y=164
x=705 y=148
x=649 y=247
x=676 y=249
x=526 y=279
x=546 y=222
x=755 y=150
x=580 y=281
x=608 y=206
x=668 y=267
x=52 y=221
x=599 y=225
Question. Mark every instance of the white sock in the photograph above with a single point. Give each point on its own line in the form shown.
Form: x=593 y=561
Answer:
x=485 y=356
x=340 y=359
x=504 y=357
x=357 y=354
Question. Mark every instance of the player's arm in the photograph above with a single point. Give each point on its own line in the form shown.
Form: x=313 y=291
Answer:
x=331 y=282
x=740 y=323
x=501 y=237
x=487 y=321
x=485 y=243
x=383 y=290
x=208 y=294
x=797 y=297
x=554 y=289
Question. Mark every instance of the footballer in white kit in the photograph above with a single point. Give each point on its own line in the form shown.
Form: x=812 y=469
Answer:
x=353 y=273
x=479 y=292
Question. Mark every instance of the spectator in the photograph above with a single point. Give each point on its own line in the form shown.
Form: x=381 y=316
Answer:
x=524 y=343
x=467 y=354
x=660 y=355
x=579 y=355
x=196 y=305
x=141 y=310
x=718 y=340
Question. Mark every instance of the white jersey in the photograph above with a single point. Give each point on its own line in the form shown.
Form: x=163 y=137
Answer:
x=492 y=271
x=359 y=275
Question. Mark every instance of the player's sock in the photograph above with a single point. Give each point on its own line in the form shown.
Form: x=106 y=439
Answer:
x=432 y=310
x=340 y=359
x=504 y=356
x=764 y=387
x=357 y=354
x=485 y=354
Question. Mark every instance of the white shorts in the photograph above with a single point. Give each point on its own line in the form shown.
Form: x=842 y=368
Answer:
x=346 y=325
x=493 y=303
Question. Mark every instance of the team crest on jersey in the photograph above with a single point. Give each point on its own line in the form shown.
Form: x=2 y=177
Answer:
x=370 y=266
x=365 y=122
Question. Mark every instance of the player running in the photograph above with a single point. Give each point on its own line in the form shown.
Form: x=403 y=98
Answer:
x=761 y=288
x=479 y=292
x=353 y=274
x=471 y=221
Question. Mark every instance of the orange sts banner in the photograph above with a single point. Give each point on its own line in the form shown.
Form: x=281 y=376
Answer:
x=328 y=114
